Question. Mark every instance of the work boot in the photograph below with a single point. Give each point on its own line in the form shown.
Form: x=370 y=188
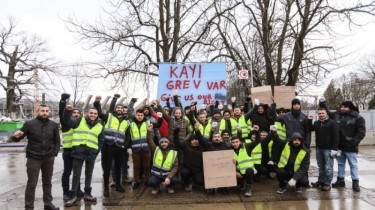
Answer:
x=248 y=190
x=119 y=188
x=135 y=185
x=66 y=194
x=50 y=207
x=126 y=179
x=88 y=197
x=316 y=184
x=80 y=193
x=72 y=199
x=355 y=186
x=326 y=187
x=339 y=183
x=106 y=191
x=113 y=184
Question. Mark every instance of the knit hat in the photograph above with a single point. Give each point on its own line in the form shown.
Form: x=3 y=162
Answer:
x=296 y=135
x=193 y=136
x=216 y=111
x=163 y=139
x=296 y=101
x=186 y=108
x=348 y=104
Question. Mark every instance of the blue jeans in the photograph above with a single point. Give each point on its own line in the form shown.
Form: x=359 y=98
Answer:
x=325 y=164
x=155 y=181
x=352 y=159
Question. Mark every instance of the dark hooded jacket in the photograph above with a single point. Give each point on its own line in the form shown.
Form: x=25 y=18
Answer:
x=193 y=159
x=352 y=127
x=305 y=164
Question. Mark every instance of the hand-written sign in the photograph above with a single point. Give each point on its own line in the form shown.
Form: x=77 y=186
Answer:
x=201 y=82
x=219 y=169
x=284 y=96
x=263 y=93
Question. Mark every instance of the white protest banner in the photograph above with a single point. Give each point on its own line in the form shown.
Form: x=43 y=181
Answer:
x=219 y=169
x=263 y=93
x=201 y=82
x=283 y=96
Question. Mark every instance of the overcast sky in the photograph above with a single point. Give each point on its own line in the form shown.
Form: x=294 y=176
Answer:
x=45 y=19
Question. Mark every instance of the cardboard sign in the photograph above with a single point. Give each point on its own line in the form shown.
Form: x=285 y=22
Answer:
x=200 y=82
x=264 y=94
x=219 y=169
x=283 y=96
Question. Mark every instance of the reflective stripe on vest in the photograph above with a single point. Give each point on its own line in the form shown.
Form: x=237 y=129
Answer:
x=281 y=130
x=205 y=130
x=244 y=127
x=160 y=167
x=139 y=136
x=114 y=131
x=285 y=157
x=67 y=139
x=256 y=154
x=243 y=161
x=83 y=135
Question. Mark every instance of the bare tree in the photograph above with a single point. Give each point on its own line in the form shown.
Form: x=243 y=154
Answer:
x=296 y=37
x=139 y=33
x=77 y=83
x=21 y=55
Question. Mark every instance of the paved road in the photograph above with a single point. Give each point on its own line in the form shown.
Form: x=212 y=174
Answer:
x=13 y=179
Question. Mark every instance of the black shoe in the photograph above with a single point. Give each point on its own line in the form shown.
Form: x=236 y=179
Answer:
x=211 y=191
x=119 y=188
x=106 y=192
x=50 y=207
x=326 y=187
x=355 y=186
x=316 y=184
x=136 y=185
x=80 y=193
x=339 y=183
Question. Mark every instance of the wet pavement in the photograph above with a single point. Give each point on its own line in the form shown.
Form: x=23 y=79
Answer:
x=13 y=180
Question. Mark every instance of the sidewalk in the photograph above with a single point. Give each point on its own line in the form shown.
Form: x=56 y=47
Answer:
x=13 y=181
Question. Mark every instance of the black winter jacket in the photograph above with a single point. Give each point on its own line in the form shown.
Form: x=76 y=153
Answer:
x=352 y=128
x=326 y=133
x=43 y=138
x=193 y=155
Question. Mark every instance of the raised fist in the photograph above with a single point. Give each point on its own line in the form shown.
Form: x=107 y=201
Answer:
x=69 y=107
x=65 y=96
x=98 y=98
x=134 y=100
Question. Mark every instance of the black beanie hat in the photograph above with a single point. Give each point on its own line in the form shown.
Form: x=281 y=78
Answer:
x=216 y=111
x=350 y=105
x=296 y=101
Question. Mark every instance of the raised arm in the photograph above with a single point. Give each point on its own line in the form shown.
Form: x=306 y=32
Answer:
x=98 y=106
x=150 y=137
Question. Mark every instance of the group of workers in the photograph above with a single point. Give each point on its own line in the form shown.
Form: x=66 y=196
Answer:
x=167 y=144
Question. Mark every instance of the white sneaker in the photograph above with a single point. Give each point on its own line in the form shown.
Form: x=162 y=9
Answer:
x=155 y=191
x=170 y=190
x=188 y=188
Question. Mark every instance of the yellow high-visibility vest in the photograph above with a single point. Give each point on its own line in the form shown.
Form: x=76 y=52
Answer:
x=243 y=161
x=83 y=135
x=285 y=157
